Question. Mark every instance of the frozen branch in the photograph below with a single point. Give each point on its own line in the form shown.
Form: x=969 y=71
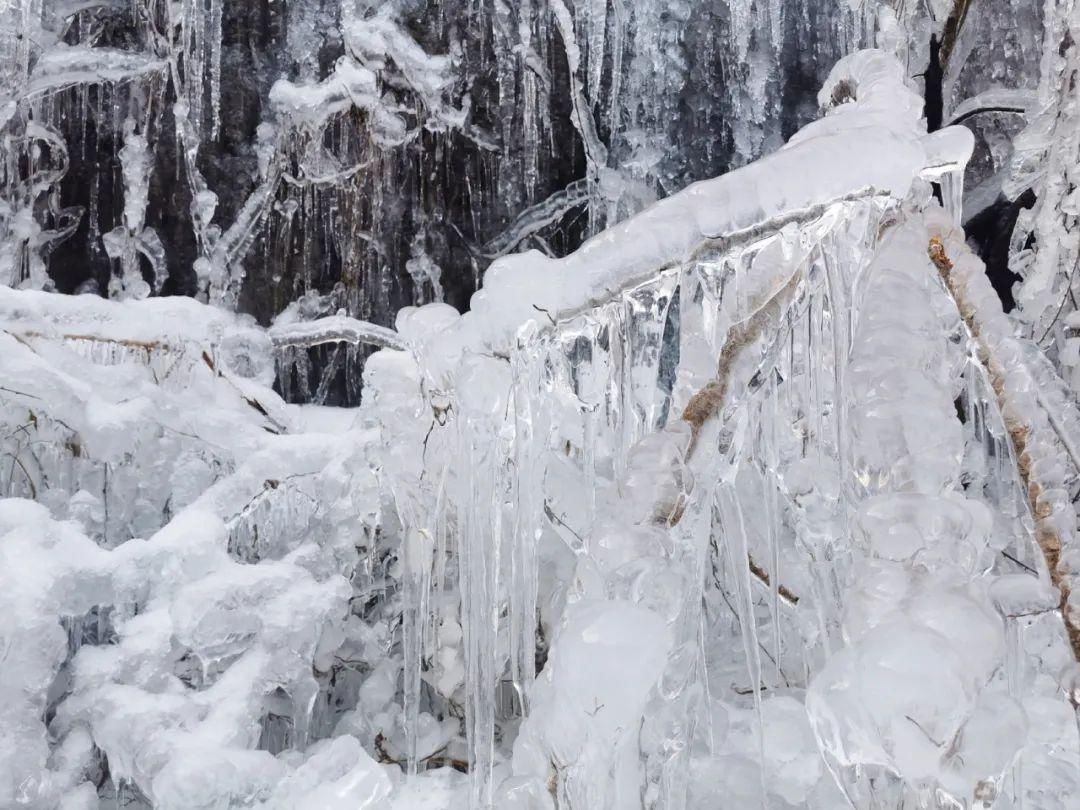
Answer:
x=334 y=329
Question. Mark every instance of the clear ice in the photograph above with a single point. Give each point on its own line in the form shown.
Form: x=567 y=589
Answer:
x=757 y=498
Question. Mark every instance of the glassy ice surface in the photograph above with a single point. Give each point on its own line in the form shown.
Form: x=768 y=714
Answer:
x=755 y=499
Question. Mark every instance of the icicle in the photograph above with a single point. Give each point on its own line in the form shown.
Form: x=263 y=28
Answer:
x=952 y=194
x=737 y=554
x=839 y=306
x=424 y=271
x=479 y=607
x=127 y=241
x=1014 y=673
x=215 y=48
x=595 y=151
x=194 y=28
x=416 y=608
x=597 y=29
x=531 y=415
x=773 y=523
x=741 y=26
x=484 y=385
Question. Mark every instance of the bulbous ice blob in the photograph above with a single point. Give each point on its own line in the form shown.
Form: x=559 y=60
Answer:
x=1023 y=595
x=902 y=526
x=337 y=774
x=483 y=384
x=524 y=793
x=792 y=764
x=985 y=749
x=869 y=380
x=588 y=701
x=392 y=378
x=879 y=589
x=420 y=324
x=902 y=446
x=910 y=348
x=207 y=778
x=888 y=591
x=653 y=584
x=656 y=475
x=872 y=704
x=731 y=780
x=89 y=510
x=249 y=354
x=815 y=490
x=893 y=287
x=974 y=631
x=613 y=543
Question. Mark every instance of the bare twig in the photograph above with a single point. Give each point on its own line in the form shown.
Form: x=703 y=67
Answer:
x=763 y=575
x=433 y=760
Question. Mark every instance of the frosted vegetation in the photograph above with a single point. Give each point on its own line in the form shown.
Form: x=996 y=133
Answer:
x=756 y=498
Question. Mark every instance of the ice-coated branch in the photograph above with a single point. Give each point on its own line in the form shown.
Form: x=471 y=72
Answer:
x=1032 y=430
x=67 y=65
x=834 y=158
x=953 y=26
x=334 y=329
x=764 y=324
x=998 y=99
x=537 y=217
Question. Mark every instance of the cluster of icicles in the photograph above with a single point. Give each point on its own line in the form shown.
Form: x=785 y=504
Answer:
x=856 y=528
x=863 y=535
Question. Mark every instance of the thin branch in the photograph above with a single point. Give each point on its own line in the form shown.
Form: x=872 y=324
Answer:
x=980 y=110
x=1047 y=538
x=763 y=576
x=953 y=26
x=1061 y=307
x=1011 y=558
x=537 y=217
x=334 y=329
x=764 y=649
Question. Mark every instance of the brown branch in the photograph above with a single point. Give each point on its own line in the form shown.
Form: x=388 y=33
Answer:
x=951 y=34
x=145 y=345
x=1046 y=535
x=763 y=575
x=706 y=403
x=433 y=760
x=278 y=428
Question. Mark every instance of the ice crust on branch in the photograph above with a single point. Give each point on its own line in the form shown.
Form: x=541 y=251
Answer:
x=868 y=142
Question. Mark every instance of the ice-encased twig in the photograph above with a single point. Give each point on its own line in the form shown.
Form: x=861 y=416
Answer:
x=333 y=329
x=1032 y=429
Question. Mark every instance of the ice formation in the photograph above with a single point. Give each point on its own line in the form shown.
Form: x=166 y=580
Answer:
x=755 y=499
